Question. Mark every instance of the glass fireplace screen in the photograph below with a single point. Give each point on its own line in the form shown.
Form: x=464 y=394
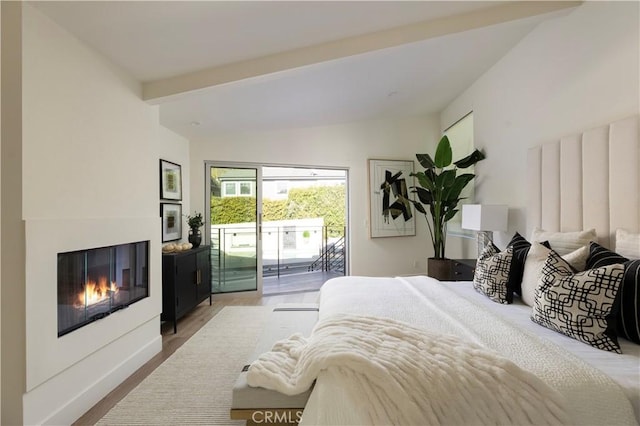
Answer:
x=96 y=282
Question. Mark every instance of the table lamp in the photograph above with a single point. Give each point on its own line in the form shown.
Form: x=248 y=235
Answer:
x=484 y=218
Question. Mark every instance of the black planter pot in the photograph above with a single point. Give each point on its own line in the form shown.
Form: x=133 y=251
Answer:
x=439 y=269
x=195 y=237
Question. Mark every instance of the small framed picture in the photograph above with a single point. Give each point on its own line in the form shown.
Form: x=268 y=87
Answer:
x=170 y=181
x=171 y=221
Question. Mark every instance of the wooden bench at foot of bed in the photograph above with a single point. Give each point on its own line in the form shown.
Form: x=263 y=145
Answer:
x=259 y=406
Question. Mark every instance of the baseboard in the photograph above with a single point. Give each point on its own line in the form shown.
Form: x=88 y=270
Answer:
x=73 y=404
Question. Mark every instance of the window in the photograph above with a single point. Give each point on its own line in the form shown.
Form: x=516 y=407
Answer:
x=245 y=188
x=460 y=136
x=230 y=188
x=238 y=189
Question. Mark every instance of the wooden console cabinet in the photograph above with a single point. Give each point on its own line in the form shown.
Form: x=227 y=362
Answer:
x=186 y=282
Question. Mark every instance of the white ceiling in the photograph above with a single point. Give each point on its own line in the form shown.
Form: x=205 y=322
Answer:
x=168 y=39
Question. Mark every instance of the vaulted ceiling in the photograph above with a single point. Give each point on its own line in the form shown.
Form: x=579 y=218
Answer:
x=217 y=66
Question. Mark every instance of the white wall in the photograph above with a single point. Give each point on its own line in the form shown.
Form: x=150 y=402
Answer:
x=569 y=74
x=90 y=179
x=344 y=146
x=175 y=148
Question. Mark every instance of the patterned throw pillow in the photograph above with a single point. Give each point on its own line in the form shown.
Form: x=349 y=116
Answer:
x=536 y=258
x=520 y=249
x=492 y=273
x=600 y=256
x=579 y=305
x=628 y=318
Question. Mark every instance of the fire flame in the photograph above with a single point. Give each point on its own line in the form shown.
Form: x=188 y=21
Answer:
x=96 y=292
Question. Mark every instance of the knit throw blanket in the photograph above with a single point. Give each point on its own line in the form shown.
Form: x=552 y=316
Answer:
x=401 y=375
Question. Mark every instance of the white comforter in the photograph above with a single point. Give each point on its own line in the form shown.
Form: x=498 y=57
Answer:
x=397 y=374
x=592 y=398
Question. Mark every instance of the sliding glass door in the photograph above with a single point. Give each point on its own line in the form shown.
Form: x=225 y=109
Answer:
x=233 y=218
x=299 y=242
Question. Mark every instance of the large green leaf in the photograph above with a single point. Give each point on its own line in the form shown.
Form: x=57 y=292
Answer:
x=448 y=178
x=419 y=207
x=453 y=192
x=450 y=214
x=450 y=204
x=444 y=156
x=470 y=159
x=423 y=195
x=425 y=161
x=425 y=180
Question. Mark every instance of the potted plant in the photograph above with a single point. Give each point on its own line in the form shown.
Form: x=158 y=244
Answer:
x=195 y=222
x=438 y=197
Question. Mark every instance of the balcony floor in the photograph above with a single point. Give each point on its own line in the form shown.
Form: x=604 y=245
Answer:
x=293 y=283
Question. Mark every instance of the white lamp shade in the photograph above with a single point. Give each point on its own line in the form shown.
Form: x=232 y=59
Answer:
x=485 y=217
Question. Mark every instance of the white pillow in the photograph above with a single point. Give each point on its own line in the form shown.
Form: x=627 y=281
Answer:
x=535 y=261
x=627 y=244
x=565 y=242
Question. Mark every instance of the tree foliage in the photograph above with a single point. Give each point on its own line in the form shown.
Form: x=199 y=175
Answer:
x=303 y=203
x=233 y=210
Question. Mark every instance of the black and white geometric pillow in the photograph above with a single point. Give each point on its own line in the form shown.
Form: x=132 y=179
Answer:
x=628 y=302
x=579 y=305
x=492 y=273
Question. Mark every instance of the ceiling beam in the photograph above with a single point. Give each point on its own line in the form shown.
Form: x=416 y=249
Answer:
x=165 y=89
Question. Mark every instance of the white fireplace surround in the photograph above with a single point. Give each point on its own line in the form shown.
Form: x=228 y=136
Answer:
x=67 y=375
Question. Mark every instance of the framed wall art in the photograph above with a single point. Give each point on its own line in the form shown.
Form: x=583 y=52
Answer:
x=171 y=221
x=390 y=214
x=170 y=181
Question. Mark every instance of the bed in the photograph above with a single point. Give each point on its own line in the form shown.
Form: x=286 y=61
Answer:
x=571 y=189
x=456 y=308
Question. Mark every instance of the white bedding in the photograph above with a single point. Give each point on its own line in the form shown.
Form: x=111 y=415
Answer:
x=405 y=375
x=623 y=369
x=592 y=396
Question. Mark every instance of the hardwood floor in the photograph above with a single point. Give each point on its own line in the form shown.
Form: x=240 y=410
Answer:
x=187 y=327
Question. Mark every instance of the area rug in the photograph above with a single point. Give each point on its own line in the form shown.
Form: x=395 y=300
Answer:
x=193 y=386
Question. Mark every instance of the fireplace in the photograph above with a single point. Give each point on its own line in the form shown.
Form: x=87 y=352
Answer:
x=95 y=282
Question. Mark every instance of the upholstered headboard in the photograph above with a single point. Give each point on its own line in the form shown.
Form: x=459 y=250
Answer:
x=588 y=180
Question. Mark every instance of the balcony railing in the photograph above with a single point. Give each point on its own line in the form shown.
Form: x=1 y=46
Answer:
x=332 y=258
x=285 y=249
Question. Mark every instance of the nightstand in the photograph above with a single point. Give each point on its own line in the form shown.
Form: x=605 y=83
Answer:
x=463 y=269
